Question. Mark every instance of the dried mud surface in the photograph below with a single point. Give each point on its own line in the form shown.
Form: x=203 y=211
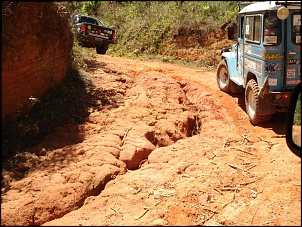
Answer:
x=172 y=150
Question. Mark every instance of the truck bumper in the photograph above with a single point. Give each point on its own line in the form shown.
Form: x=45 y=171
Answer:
x=91 y=41
x=280 y=98
x=274 y=102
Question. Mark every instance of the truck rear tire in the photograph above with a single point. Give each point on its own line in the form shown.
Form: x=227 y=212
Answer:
x=102 y=49
x=223 y=77
x=252 y=103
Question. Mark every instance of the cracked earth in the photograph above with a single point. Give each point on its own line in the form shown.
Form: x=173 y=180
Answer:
x=169 y=149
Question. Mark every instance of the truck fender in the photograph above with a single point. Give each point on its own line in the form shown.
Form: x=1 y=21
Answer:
x=230 y=59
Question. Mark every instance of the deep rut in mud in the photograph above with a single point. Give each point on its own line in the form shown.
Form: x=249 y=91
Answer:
x=166 y=147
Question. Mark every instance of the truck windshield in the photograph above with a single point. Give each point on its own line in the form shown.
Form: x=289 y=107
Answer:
x=88 y=20
x=272 y=29
x=100 y=22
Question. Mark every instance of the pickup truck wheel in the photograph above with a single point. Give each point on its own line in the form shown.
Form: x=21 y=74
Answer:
x=252 y=103
x=102 y=49
x=223 y=77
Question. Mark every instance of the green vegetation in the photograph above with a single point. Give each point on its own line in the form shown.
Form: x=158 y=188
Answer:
x=297 y=123
x=144 y=27
x=297 y=116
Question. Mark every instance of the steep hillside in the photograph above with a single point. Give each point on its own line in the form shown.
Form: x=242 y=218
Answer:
x=36 y=44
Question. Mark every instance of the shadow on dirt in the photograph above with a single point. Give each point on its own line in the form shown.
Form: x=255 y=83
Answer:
x=51 y=122
x=277 y=123
x=240 y=100
x=69 y=102
x=93 y=65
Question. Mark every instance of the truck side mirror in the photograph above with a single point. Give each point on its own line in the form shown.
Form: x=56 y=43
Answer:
x=231 y=33
x=293 y=121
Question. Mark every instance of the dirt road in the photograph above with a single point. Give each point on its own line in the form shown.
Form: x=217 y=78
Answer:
x=166 y=147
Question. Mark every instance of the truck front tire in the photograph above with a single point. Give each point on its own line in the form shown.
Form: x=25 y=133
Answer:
x=252 y=103
x=223 y=77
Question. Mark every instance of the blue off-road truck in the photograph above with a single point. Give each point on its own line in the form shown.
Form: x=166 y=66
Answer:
x=265 y=62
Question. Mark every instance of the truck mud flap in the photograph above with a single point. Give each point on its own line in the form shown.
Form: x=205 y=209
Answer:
x=264 y=88
x=265 y=106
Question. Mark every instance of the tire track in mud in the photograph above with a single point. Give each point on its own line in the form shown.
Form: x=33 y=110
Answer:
x=193 y=153
x=143 y=92
x=148 y=127
x=242 y=182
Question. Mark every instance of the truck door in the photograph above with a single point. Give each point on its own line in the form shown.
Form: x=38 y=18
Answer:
x=293 y=53
x=240 y=47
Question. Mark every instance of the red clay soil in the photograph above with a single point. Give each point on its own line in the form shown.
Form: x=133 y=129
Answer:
x=172 y=150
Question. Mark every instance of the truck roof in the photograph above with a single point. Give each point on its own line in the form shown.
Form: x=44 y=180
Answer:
x=270 y=5
x=87 y=18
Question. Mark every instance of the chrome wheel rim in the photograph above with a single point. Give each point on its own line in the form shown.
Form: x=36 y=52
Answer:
x=223 y=77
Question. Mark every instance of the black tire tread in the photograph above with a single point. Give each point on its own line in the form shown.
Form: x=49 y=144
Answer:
x=258 y=119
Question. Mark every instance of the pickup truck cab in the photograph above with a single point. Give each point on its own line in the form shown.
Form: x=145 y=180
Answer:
x=93 y=33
